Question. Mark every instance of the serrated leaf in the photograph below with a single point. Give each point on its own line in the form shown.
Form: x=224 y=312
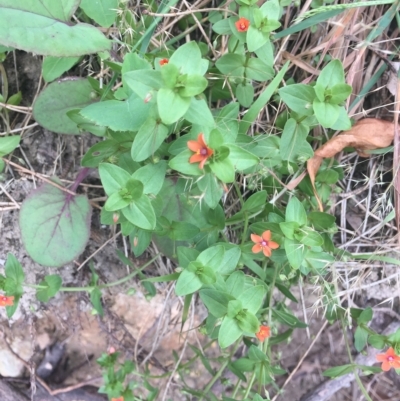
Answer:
x=55 y=226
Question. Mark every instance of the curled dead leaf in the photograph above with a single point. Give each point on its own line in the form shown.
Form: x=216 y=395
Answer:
x=367 y=134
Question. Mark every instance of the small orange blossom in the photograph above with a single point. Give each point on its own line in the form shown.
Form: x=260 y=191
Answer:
x=263 y=333
x=6 y=301
x=118 y=399
x=263 y=243
x=202 y=151
x=242 y=24
x=163 y=61
x=389 y=360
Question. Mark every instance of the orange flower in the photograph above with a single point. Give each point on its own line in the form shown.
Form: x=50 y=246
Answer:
x=202 y=151
x=118 y=399
x=6 y=301
x=263 y=243
x=163 y=61
x=242 y=24
x=263 y=333
x=389 y=360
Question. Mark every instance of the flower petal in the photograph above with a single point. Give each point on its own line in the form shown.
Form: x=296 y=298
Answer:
x=203 y=162
x=194 y=146
x=196 y=158
x=385 y=366
x=273 y=245
x=381 y=357
x=266 y=235
x=255 y=238
x=200 y=140
x=256 y=248
x=267 y=251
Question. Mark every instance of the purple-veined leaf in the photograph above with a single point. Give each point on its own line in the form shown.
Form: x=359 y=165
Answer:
x=55 y=225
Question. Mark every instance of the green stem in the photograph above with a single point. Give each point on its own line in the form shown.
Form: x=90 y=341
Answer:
x=220 y=371
x=245 y=227
x=250 y=385
x=358 y=380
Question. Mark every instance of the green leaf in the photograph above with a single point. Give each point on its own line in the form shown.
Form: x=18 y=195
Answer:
x=288 y=319
x=51 y=106
x=327 y=114
x=193 y=86
x=116 y=202
x=262 y=100
x=187 y=283
x=149 y=138
x=52 y=284
x=232 y=64
x=103 y=12
x=181 y=231
x=308 y=236
x=295 y=212
x=152 y=176
x=271 y=9
x=252 y=298
x=99 y=152
x=199 y=111
x=245 y=94
x=113 y=178
x=365 y=316
x=288 y=228
x=181 y=163
x=298 y=97
x=171 y=106
x=256 y=38
x=377 y=341
x=229 y=332
x=95 y=299
x=128 y=115
x=235 y=283
x=186 y=255
x=8 y=144
x=339 y=93
x=294 y=142
x=258 y=70
x=44 y=28
x=230 y=260
x=55 y=226
x=360 y=338
x=332 y=74
x=54 y=67
x=294 y=252
x=224 y=170
x=188 y=59
x=320 y=220
x=211 y=189
x=241 y=159
x=212 y=257
x=215 y=301
x=143 y=82
x=338 y=371
x=15 y=276
x=247 y=322
x=141 y=213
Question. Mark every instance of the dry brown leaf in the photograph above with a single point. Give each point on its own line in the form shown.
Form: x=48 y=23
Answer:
x=367 y=134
